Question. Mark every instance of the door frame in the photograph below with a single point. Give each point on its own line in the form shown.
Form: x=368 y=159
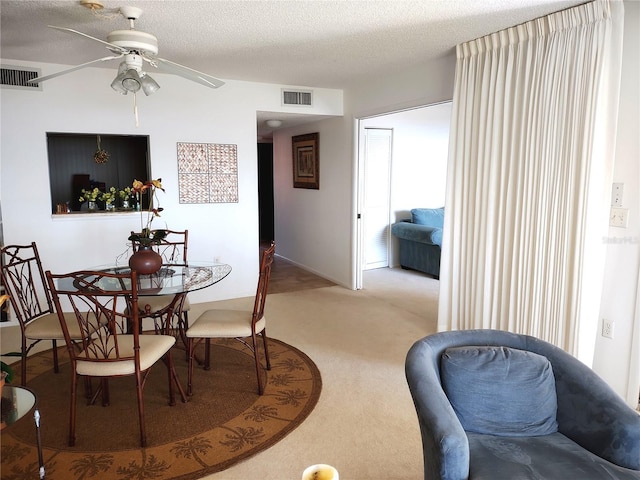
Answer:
x=357 y=229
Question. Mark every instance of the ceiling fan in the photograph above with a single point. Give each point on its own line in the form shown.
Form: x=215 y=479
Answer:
x=135 y=46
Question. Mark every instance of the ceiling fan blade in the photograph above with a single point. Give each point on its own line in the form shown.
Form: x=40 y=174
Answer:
x=186 y=72
x=73 y=69
x=110 y=46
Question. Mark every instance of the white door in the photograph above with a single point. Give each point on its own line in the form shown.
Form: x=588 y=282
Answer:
x=377 y=185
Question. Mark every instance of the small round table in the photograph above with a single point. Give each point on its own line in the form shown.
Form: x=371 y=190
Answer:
x=18 y=402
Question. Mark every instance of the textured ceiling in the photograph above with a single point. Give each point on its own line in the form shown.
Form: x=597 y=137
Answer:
x=318 y=43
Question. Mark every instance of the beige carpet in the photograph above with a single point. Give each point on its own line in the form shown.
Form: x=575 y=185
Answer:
x=364 y=423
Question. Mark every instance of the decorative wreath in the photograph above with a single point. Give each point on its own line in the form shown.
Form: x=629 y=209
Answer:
x=101 y=156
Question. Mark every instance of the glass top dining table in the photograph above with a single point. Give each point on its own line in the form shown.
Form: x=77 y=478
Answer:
x=171 y=279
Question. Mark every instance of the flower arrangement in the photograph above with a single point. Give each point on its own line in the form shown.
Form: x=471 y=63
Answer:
x=90 y=195
x=109 y=196
x=146 y=236
x=125 y=193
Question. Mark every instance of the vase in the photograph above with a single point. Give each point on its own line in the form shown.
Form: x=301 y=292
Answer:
x=145 y=261
x=93 y=206
x=110 y=207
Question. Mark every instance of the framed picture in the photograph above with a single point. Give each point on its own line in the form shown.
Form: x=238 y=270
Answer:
x=306 y=162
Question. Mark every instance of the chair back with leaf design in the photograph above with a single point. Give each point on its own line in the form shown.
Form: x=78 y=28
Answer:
x=263 y=284
x=100 y=301
x=105 y=304
x=24 y=280
x=172 y=248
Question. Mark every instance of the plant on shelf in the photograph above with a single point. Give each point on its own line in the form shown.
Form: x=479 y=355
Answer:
x=125 y=193
x=127 y=197
x=146 y=236
x=109 y=197
x=91 y=196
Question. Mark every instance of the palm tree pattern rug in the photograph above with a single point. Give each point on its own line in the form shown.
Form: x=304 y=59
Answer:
x=224 y=422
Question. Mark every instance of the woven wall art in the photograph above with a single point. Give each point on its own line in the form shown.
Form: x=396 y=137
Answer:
x=207 y=173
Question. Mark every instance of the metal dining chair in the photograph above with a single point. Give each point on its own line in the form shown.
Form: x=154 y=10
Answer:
x=104 y=304
x=238 y=324
x=24 y=280
x=173 y=250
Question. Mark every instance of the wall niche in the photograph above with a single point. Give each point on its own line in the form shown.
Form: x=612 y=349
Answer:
x=80 y=160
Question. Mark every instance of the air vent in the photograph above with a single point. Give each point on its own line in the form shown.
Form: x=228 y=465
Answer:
x=297 y=97
x=17 y=77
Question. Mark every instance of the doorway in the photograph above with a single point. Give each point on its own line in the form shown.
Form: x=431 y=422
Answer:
x=265 y=193
x=418 y=170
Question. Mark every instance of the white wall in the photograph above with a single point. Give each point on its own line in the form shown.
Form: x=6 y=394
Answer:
x=180 y=111
x=312 y=226
x=613 y=359
x=325 y=243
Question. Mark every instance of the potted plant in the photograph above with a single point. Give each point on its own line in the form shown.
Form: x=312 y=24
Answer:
x=91 y=196
x=125 y=194
x=109 y=198
x=145 y=260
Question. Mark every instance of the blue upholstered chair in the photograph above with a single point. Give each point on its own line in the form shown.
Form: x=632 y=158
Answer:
x=495 y=405
x=420 y=240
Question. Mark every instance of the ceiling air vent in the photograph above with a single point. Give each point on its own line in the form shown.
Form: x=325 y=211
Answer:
x=297 y=97
x=17 y=77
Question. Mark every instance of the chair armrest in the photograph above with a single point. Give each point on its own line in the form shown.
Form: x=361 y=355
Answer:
x=593 y=415
x=417 y=233
x=445 y=444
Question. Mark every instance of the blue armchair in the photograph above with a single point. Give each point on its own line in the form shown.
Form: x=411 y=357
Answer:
x=420 y=240
x=496 y=405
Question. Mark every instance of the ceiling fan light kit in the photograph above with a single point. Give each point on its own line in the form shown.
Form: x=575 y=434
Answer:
x=135 y=46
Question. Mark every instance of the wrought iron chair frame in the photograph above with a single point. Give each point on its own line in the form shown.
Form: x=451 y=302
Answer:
x=104 y=316
x=256 y=315
x=24 y=279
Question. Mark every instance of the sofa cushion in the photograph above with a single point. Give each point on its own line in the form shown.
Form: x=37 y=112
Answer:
x=551 y=457
x=500 y=391
x=434 y=217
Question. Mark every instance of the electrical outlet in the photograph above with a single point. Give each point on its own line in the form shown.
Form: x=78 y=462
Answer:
x=607 y=328
x=618 y=217
x=616 y=194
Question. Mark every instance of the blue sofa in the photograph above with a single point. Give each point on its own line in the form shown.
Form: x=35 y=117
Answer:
x=496 y=405
x=420 y=240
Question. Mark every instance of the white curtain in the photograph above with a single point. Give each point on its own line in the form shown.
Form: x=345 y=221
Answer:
x=531 y=154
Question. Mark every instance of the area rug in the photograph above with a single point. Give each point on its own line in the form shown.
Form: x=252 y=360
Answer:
x=223 y=423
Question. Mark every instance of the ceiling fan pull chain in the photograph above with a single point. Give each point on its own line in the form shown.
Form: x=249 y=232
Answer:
x=135 y=109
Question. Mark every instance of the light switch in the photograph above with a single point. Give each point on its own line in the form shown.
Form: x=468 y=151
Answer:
x=616 y=194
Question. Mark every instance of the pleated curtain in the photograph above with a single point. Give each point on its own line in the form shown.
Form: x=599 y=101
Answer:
x=529 y=178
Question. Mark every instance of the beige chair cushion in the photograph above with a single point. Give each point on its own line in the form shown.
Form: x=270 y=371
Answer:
x=224 y=324
x=152 y=348
x=47 y=327
x=159 y=302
